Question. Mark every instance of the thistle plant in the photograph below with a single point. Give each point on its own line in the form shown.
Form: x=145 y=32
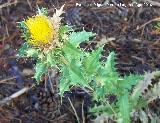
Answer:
x=42 y=35
x=52 y=44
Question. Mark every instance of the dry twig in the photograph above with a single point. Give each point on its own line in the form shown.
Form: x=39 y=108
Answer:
x=15 y=95
x=8 y=4
x=142 y=26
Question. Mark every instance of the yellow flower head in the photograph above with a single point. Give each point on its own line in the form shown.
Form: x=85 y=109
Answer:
x=41 y=30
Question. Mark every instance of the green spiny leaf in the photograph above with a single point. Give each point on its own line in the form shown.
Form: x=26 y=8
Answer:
x=64 y=80
x=42 y=10
x=32 y=52
x=124 y=108
x=75 y=38
x=40 y=69
x=22 y=25
x=127 y=82
x=110 y=64
x=71 y=51
x=157 y=25
x=77 y=74
x=64 y=29
x=63 y=86
x=101 y=109
x=25 y=33
x=23 y=49
x=50 y=59
x=91 y=63
x=99 y=94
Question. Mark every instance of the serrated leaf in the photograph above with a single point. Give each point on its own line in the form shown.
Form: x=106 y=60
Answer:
x=64 y=80
x=41 y=56
x=25 y=33
x=101 y=109
x=143 y=116
x=92 y=63
x=22 y=25
x=99 y=94
x=63 y=86
x=107 y=74
x=153 y=93
x=32 y=52
x=76 y=74
x=75 y=38
x=23 y=49
x=127 y=82
x=143 y=84
x=124 y=108
x=40 y=69
x=71 y=51
x=157 y=25
x=42 y=10
x=64 y=29
x=50 y=59
x=110 y=64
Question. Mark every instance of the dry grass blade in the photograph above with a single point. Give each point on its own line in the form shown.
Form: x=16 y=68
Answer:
x=142 y=26
x=8 y=4
x=74 y=110
x=8 y=79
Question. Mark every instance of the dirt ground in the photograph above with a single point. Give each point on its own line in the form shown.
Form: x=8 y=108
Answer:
x=129 y=31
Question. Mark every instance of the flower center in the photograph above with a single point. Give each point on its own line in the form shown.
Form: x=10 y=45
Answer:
x=41 y=30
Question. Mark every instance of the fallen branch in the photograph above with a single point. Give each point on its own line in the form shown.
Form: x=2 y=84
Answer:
x=15 y=95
